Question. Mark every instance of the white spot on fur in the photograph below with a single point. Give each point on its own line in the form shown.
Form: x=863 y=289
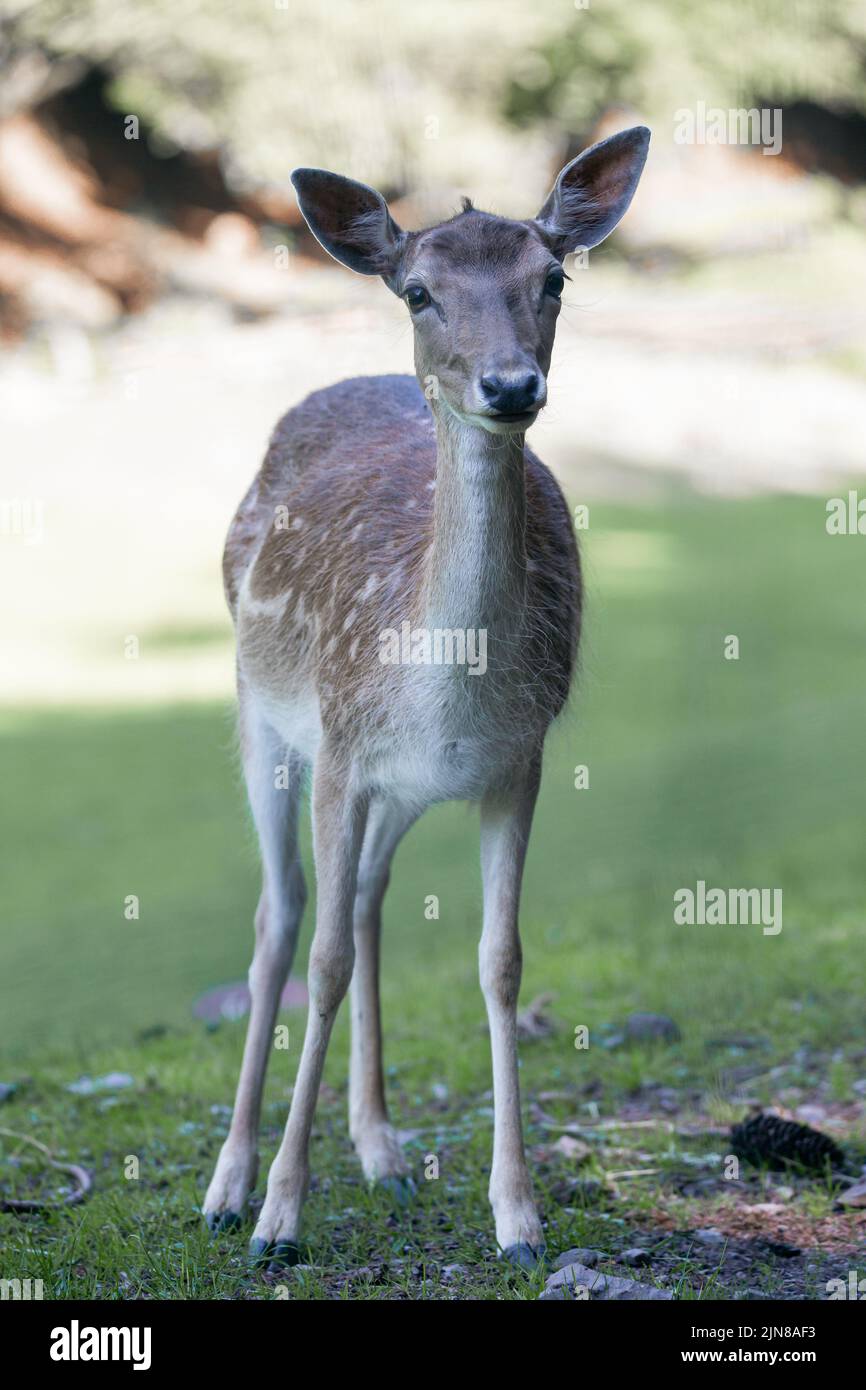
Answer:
x=370 y=587
x=272 y=607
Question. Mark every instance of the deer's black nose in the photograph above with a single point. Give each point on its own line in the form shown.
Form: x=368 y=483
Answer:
x=511 y=393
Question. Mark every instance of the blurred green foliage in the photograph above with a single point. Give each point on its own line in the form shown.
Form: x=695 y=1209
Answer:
x=380 y=87
x=436 y=95
x=673 y=53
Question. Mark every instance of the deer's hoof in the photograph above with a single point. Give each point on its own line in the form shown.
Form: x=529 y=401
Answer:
x=400 y=1190
x=260 y=1252
x=523 y=1256
x=218 y=1221
x=283 y=1255
x=275 y=1254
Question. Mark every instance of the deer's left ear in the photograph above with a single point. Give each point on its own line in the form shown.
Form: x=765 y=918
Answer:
x=594 y=191
x=350 y=220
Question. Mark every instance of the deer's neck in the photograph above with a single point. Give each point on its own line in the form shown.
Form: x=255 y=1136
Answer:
x=475 y=574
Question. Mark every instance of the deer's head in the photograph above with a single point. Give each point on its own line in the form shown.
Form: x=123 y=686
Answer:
x=483 y=291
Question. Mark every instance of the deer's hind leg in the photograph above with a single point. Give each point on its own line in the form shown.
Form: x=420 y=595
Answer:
x=375 y=1139
x=274 y=777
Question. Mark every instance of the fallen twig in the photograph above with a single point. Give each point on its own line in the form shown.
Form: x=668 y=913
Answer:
x=79 y=1174
x=632 y=1173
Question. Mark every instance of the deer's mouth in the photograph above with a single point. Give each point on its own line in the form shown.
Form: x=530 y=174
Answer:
x=505 y=422
x=496 y=422
x=523 y=417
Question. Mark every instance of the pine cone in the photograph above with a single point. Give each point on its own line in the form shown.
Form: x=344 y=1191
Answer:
x=775 y=1143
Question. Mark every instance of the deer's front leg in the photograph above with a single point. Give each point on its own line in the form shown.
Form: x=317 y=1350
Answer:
x=338 y=826
x=277 y=921
x=505 y=824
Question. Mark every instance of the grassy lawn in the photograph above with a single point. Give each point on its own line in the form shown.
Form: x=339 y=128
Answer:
x=742 y=773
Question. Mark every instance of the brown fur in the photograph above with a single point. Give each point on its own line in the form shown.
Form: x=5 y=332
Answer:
x=365 y=506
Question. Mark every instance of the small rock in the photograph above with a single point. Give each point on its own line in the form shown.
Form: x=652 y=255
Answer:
x=586 y=1282
x=7 y=1090
x=579 y=1256
x=534 y=1021
x=853 y=1196
x=636 y=1257
x=571 y=1148
x=669 y=1100
x=233 y=1001
x=115 y=1081
x=440 y=1090
x=811 y=1114
x=367 y=1272
x=708 y=1235
x=651 y=1028
x=452 y=1272
x=112 y=1081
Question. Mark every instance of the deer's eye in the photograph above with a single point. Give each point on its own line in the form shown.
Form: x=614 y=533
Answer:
x=417 y=298
x=554 y=283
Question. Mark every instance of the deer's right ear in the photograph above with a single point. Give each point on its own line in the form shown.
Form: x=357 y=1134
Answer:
x=350 y=220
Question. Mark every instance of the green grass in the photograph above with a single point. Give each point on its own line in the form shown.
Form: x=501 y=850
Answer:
x=742 y=773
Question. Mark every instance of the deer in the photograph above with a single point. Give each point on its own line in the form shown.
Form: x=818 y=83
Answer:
x=408 y=505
